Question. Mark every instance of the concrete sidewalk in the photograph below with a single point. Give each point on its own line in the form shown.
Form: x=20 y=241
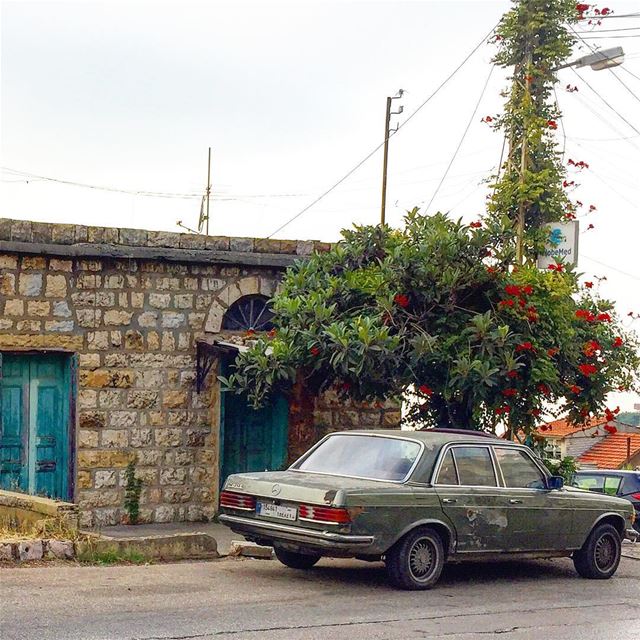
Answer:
x=223 y=535
x=631 y=550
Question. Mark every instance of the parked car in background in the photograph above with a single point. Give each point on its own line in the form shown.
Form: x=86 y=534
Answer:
x=612 y=482
x=418 y=499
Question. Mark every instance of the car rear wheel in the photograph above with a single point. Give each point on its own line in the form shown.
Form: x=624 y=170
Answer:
x=416 y=560
x=600 y=554
x=296 y=560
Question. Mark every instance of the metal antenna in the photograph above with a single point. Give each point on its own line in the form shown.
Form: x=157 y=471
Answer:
x=387 y=120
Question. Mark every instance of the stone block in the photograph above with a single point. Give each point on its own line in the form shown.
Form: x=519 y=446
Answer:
x=30 y=284
x=63 y=234
x=163 y=239
x=174 y=399
x=120 y=378
x=175 y=476
x=304 y=247
x=151 y=379
x=8 y=261
x=5 y=228
x=41 y=232
x=172 y=319
x=38 y=308
x=87 y=398
x=56 y=286
x=123 y=419
x=196 y=438
x=90 y=318
x=92 y=419
x=192 y=241
x=250 y=550
x=110 y=399
x=137 y=300
x=61 y=309
x=14 y=308
x=7 y=284
x=168 y=341
x=56 y=264
x=114 y=282
x=140 y=438
x=89 y=360
x=216 y=243
x=33 y=326
x=159 y=300
x=244 y=245
x=138 y=399
x=164 y=513
x=183 y=301
x=88 y=438
x=114 y=438
x=153 y=341
x=30 y=550
x=148 y=319
x=90 y=265
x=133 y=237
x=60 y=549
x=105 y=478
x=117 y=317
x=191 y=284
x=168 y=437
x=59 y=326
x=83 y=480
x=21 y=231
x=7 y=551
x=267 y=245
x=5 y=324
x=33 y=263
x=81 y=234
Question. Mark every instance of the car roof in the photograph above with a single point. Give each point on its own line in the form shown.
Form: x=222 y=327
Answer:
x=433 y=437
x=606 y=472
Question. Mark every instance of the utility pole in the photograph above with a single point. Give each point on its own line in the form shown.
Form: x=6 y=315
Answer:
x=523 y=167
x=387 y=121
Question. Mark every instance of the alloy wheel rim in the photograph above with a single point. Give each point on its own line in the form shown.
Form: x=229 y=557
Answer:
x=422 y=559
x=605 y=552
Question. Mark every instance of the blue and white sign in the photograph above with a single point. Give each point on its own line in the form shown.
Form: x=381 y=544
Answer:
x=562 y=245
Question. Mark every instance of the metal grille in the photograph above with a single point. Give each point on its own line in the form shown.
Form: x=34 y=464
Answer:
x=249 y=313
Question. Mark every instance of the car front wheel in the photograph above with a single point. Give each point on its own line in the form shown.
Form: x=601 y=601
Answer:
x=416 y=560
x=599 y=556
x=295 y=560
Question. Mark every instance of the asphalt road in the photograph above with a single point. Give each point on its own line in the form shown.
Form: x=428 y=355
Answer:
x=339 y=599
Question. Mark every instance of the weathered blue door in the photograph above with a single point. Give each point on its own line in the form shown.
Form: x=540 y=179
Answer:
x=253 y=440
x=34 y=423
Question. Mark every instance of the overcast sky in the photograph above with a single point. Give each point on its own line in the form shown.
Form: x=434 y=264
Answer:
x=291 y=96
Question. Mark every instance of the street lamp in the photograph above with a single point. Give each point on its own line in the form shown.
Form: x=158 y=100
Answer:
x=599 y=60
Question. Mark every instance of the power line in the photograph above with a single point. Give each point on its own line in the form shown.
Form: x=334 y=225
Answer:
x=369 y=155
x=607 y=37
x=630 y=73
x=464 y=135
x=604 y=264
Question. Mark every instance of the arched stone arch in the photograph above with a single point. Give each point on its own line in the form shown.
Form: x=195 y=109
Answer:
x=247 y=286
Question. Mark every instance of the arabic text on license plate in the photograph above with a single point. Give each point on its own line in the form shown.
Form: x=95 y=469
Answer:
x=276 y=511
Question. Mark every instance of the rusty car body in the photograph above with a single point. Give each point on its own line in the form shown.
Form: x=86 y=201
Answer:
x=418 y=499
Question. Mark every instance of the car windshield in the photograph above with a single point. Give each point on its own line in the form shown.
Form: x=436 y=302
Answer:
x=372 y=457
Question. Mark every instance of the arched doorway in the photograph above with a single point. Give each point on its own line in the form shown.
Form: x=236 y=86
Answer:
x=250 y=439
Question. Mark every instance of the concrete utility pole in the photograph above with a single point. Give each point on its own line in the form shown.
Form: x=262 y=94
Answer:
x=387 y=121
x=208 y=190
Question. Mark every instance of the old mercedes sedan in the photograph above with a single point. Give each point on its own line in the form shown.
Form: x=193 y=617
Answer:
x=418 y=499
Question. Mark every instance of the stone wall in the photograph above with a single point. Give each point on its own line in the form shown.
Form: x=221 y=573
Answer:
x=130 y=304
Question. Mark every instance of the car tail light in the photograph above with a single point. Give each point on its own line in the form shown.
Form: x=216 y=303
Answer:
x=635 y=496
x=329 y=515
x=241 y=501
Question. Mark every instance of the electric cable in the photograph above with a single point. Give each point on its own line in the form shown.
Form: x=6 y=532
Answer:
x=464 y=135
x=400 y=126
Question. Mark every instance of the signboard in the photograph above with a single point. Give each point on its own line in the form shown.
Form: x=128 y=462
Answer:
x=562 y=245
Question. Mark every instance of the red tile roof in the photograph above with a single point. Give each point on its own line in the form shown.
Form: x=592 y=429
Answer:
x=561 y=428
x=611 y=452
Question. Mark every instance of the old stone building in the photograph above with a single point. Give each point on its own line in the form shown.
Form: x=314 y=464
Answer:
x=111 y=342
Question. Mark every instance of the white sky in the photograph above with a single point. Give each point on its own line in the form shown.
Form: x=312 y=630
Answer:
x=291 y=96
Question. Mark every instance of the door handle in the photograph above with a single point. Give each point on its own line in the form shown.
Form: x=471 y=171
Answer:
x=514 y=501
x=449 y=500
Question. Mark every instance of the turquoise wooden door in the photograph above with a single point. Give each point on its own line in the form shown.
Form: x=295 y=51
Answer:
x=253 y=440
x=34 y=424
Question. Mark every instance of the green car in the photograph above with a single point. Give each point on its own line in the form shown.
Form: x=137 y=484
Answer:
x=417 y=499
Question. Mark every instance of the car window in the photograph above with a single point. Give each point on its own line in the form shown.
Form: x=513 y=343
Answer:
x=374 y=457
x=612 y=484
x=447 y=473
x=518 y=470
x=474 y=466
x=592 y=483
x=631 y=483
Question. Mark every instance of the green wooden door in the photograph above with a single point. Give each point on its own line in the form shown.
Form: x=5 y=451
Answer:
x=253 y=440
x=34 y=424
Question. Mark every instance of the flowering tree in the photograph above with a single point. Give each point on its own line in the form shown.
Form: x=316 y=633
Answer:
x=459 y=314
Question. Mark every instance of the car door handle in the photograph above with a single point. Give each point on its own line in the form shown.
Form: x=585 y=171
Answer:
x=449 y=500
x=515 y=501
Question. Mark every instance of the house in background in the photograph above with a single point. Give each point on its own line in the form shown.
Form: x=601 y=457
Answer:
x=603 y=444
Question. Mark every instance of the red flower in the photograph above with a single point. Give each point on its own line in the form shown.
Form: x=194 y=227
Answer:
x=543 y=427
x=559 y=267
x=603 y=317
x=512 y=290
x=587 y=369
x=544 y=389
x=425 y=390
x=250 y=332
x=552 y=124
x=591 y=347
x=532 y=314
x=527 y=289
x=552 y=352
x=272 y=333
x=609 y=428
x=509 y=393
x=581 y=7
x=571 y=88
x=568 y=183
x=537 y=412
x=512 y=374
x=588 y=285
x=618 y=342
x=574 y=388
x=585 y=314
x=491 y=270
x=488 y=119
x=592 y=208
x=475 y=225
x=345 y=386
x=605 y=12
x=504 y=409
x=401 y=300
x=506 y=303
x=525 y=346
x=315 y=351
x=591 y=226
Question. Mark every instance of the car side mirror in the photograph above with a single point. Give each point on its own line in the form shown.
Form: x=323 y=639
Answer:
x=555 y=482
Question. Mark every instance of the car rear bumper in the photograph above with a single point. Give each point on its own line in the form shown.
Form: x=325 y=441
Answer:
x=274 y=531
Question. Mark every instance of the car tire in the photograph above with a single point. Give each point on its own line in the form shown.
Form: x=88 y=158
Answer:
x=415 y=562
x=599 y=557
x=296 y=560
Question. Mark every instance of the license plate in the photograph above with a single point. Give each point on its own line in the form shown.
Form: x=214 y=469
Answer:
x=276 y=511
